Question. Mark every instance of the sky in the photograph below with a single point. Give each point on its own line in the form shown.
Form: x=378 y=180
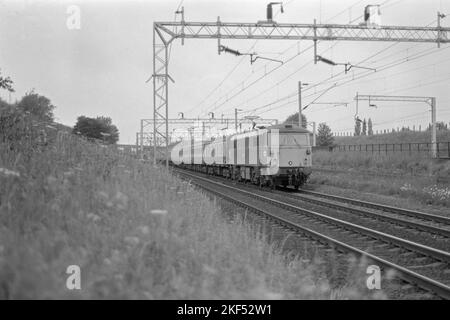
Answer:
x=101 y=68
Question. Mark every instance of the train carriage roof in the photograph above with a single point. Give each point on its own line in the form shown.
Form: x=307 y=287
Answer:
x=288 y=128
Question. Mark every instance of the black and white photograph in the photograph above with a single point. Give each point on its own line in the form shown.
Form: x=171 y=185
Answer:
x=232 y=158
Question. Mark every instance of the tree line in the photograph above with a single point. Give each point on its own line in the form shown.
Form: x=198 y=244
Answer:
x=39 y=110
x=324 y=134
x=363 y=128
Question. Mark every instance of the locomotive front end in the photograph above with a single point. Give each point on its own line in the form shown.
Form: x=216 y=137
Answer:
x=294 y=156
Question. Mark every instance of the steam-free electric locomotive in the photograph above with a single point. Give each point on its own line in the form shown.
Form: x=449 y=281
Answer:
x=276 y=155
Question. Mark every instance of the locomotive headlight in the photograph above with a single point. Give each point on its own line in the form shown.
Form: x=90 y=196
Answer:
x=290 y=163
x=308 y=151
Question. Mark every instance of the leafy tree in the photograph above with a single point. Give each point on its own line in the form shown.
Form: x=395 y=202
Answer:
x=357 y=126
x=6 y=83
x=293 y=119
x=364 y=127
x=39 y=107
x=100 y=128
x=369 y=128
x=324 y=135
x=440 y=125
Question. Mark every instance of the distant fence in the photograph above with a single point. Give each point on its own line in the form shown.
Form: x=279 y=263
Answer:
x=443 y=148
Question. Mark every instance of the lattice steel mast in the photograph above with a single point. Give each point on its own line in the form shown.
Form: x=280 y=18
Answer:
x=431 y=101
x=166 y=32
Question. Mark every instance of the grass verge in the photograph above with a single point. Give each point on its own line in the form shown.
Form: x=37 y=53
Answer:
x=136 y=232
x=412 y=177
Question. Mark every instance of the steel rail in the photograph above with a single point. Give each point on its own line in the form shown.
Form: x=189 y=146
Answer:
x=382 y=207
x=417 y=247
x=368 y=214
x=411 y=224
x=424 y=282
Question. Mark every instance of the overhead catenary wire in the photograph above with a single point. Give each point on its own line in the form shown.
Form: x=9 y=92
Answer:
x=363 y=74
x=276 y=68
x=285 y=78
x=231 y=71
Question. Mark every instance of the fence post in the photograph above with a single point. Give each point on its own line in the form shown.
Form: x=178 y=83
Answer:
x=410 y=148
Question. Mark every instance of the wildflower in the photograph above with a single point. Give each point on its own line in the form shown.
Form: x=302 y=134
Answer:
x=93 y=217
x=7 y=172
x=51 y=180
x=118 y=277
x=68 y=173
x=121 y=200
x=158 y=212
x=273 y=296
x=132 y=241
x=437 y=193
x=209 y=269
x=103 y=194
x=144 y=230
x=116 y=256
x=406 y=187
x=55 y=207
x=109 y=204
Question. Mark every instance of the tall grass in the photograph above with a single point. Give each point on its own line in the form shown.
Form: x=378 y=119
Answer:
x=136 y=232
x=411 y=176
x=401 y=163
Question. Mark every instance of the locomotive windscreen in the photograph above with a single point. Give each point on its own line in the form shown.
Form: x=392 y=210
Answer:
x=291 y=139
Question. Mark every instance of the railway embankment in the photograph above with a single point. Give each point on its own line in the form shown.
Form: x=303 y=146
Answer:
x=410 y=181
x=134 y=231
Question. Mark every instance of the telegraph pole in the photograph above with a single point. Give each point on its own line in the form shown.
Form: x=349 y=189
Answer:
x=433 y=128
x=313 y=123
x=300 y=85
x=431 y=101
x=314 y=134
x=236 y=118
x=142 y=139
x=300 y=124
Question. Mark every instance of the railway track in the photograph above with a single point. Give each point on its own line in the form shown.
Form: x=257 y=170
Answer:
x=427 y=217
x=433 y=225
x=416 y=263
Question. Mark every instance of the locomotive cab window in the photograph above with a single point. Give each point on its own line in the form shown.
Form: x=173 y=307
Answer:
x=294 y=139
